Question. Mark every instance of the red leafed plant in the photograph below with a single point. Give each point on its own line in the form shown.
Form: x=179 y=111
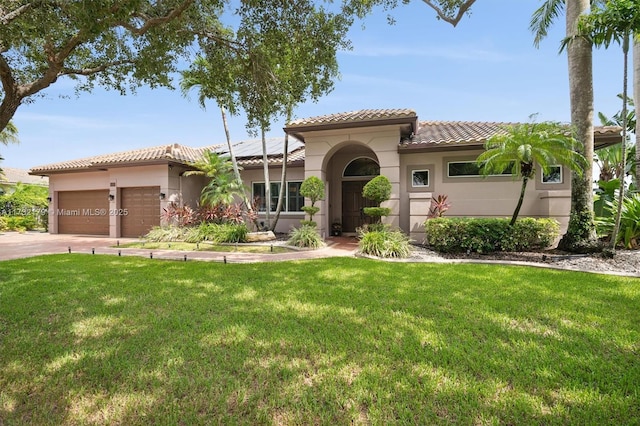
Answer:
x=439 y=205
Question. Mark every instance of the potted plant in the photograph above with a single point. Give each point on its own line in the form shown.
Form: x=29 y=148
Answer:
x=336 y=229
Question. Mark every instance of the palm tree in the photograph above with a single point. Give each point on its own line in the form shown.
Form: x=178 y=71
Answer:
x=525 y=145
x=581 y=233
x=201 y=75
x=222 y=186
x=8 y=135
x=617 y=21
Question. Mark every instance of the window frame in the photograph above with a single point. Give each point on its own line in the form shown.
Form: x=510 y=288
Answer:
x=479 y=175
x=423 y=170
x=274 y=196
x=561 y=174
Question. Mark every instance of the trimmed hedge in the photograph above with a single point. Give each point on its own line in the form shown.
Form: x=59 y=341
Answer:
x=487 y=235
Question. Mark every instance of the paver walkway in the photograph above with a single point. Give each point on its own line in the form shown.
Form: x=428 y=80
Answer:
x=14 y=245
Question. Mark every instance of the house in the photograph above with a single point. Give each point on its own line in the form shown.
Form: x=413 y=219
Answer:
x=13 y=176
x=123 y=194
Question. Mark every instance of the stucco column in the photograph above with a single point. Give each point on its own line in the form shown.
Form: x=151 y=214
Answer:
x=419 y=205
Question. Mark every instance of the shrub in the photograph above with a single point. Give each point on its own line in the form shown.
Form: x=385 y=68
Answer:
x=629 y=234
x=230 y=233
x=382 y=241
x=166 y=234
x=312 y=188
x=305 y=236
x=377 y=190
x=486 y=235
x=3 y=223
x=21 y=223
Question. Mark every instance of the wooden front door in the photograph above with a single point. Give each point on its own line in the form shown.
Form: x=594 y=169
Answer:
x=353 y=204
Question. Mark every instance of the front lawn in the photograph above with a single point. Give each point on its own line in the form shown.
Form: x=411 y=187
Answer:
x=120 y=340
x=209 y=246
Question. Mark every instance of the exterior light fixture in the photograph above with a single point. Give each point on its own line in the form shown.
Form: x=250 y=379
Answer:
x=49 y=199
x=112 y=197
x=162 y=195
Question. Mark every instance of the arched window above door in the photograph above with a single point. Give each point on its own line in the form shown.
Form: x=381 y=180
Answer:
x=363 y=166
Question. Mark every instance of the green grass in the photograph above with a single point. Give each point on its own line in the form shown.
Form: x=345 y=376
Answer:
x=112 y=340
x=208 y=246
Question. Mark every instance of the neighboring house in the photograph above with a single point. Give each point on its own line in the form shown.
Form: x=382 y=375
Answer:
x=421 y=159
x=11 y=177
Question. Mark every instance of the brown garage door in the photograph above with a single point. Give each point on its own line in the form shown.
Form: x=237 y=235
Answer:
x=142 y=207
x=83 y=212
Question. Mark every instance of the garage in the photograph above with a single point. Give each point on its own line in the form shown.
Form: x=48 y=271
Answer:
x=140 y=207
x=83 y=212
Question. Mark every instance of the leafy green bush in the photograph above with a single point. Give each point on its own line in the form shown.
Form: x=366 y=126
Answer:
x=166 y=234
x=487 y=235
x=3 y=223
x=313 y=189
x=230 y=233
x=629 y=234
x=382 y=241
x=377 y=189
x=21 y=223
x=305 y=236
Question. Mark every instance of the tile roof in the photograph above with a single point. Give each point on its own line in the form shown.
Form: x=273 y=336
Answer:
x=360 y=116
x=13 y=176
x=448 y=134
x=177 y=153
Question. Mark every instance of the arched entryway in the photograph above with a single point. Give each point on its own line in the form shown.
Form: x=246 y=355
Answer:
x=348 y=171
x=355 y=176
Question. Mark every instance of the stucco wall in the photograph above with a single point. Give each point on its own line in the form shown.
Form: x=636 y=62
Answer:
x=494 y=196
x=328 y=152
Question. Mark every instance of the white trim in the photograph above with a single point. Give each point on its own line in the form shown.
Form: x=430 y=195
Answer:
x=542 y=175
x=428 y=178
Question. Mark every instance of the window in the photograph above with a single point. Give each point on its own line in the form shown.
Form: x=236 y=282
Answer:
x=468 y=169
x=362 y=167
x=554 y=175
x=293 y=201
x=419 y=178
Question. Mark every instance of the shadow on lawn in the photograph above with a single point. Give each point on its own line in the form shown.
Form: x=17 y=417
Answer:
x=101 y=340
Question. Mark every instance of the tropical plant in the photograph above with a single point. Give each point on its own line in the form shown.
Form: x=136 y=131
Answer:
x=609 y=159
x=617 y=21
x=305 y=236
x=312 y=188
x=7 y=135
x=629 y=234
x=384 y=242
x=377 y=190
x=216 y=85
x=223 y=185
x=439 y=206
x=580 y=235
x=525 y=145
x=178 y=214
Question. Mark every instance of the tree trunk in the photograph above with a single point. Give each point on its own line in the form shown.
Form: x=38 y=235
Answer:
x=283 y=180
x=580 y=235
x=234 y=163
x=516 y=212
x=616 y=226
x=267 y=184
x=636 y=99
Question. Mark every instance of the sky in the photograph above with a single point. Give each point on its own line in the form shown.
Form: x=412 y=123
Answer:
x=485 y=69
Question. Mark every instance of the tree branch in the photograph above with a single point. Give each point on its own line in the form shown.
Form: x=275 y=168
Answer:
x=6 y=18
x=464 y=7
x=91 y=71
x=154 y=22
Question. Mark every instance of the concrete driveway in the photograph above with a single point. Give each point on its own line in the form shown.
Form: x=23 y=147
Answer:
x=14 y=245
